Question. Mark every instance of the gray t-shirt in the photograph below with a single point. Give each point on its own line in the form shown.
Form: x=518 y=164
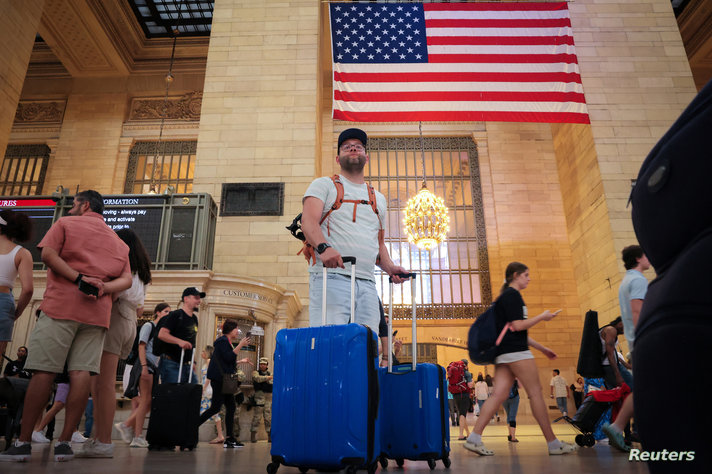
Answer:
x=144 y=336
x=633 y=287
x=354 y=239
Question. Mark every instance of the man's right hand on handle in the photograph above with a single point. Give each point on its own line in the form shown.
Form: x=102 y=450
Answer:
x=185 y=345
x=331 y=258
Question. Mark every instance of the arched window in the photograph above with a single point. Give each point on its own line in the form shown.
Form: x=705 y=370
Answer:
x=454 y=277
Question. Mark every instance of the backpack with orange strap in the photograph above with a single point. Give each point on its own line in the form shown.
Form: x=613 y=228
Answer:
x=296 y=228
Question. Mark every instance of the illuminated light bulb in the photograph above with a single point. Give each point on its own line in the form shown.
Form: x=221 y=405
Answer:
x=426 y=220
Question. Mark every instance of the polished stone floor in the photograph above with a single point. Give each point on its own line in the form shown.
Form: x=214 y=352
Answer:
x=527 y=456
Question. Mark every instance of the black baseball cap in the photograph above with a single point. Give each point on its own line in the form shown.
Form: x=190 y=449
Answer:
x=192 y=291
x=356 y=133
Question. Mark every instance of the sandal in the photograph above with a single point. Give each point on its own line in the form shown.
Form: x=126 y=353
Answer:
x=479 y=449
x=217 y=441
x=509 y=438
x=462 y=438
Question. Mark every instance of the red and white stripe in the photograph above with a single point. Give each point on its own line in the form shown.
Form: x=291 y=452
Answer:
x=511 y=62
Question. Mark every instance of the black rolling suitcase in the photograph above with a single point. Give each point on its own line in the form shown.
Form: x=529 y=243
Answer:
x=175 y=414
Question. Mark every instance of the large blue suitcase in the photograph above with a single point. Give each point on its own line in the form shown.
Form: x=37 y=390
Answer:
x=414 y=409
x=325 y=398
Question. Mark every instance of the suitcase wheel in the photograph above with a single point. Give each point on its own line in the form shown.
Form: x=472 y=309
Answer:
x=187 y=448
x=352 y=470
x=579 y=440
x=384 y=462
x=272 y=467
x=431 y=464
x=303 y=469
x=447 y=462
x=589 y=440
x=400 y=462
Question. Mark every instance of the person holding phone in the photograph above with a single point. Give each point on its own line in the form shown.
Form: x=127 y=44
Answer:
x=79 y=249
x=515 y=360
x=224 y=361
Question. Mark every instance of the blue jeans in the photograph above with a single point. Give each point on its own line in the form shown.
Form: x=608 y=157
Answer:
x=89 y=421
x=169 y=372
x=338 y=300
x=561 y=402
x=511 y=406
x=610 y=378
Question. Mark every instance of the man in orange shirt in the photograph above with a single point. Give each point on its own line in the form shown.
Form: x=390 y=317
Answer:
x=86 y=262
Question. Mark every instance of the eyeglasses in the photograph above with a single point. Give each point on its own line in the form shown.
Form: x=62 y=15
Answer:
x=356 y=146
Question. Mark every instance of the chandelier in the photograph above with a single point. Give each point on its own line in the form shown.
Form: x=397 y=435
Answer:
x=426 y=217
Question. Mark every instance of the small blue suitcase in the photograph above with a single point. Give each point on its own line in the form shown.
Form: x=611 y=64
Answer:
x=325 y=397
x=414 y=409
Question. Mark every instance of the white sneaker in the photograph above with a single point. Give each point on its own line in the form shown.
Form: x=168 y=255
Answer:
x=126 y=432
x=77 y=437
x=95 y=449
x=39 y=437
x=138 y=442
x=565 y=448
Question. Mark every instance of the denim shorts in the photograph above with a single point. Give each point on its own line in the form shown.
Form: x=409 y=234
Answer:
x=7 y=316
x=338 y=300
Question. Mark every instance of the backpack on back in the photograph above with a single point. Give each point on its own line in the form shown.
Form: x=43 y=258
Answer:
x=483 y=340
x=456 y=382
x=296 y=226
x=161 y=347
x=133 y=355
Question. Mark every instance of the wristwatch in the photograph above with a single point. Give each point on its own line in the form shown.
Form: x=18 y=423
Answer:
x=321 y=248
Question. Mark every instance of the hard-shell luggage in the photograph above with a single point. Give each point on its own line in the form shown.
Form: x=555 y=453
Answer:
x=325 y=396
x=175 y=413
x=414 y=407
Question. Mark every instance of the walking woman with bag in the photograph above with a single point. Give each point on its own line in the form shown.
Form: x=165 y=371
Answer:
x=224 y=363
x=516 y=360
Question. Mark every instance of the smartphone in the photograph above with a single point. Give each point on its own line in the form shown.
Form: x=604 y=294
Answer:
x=88 y=289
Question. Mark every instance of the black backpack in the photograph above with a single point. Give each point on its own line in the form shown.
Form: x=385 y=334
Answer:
x=483 y=339
x=133 y=355
x=161 y=347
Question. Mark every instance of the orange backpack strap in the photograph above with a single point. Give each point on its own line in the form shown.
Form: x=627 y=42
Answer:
x=337 y=202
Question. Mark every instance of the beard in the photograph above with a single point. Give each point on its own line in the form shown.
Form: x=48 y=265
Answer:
x=352 y=164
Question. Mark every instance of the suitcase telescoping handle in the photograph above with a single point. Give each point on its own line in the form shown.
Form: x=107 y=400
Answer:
x=410 y=276
x=180 y=367
x=352 y=261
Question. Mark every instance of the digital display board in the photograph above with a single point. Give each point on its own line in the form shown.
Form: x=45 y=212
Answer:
x=142 y=215
x=177 y=230
x=41 y=213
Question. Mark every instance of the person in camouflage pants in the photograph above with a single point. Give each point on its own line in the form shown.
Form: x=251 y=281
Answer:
x=262 y=382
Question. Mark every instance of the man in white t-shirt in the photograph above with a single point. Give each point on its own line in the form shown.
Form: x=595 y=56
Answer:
x=560 y=391
x=351 y=230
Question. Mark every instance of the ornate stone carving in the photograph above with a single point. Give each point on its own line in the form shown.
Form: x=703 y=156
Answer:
x=40 y=111
x=186 y=107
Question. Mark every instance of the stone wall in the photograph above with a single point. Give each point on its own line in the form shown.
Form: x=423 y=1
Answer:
x=18 y=26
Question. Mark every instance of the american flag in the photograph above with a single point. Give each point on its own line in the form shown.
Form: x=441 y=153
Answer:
x=507 y=62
